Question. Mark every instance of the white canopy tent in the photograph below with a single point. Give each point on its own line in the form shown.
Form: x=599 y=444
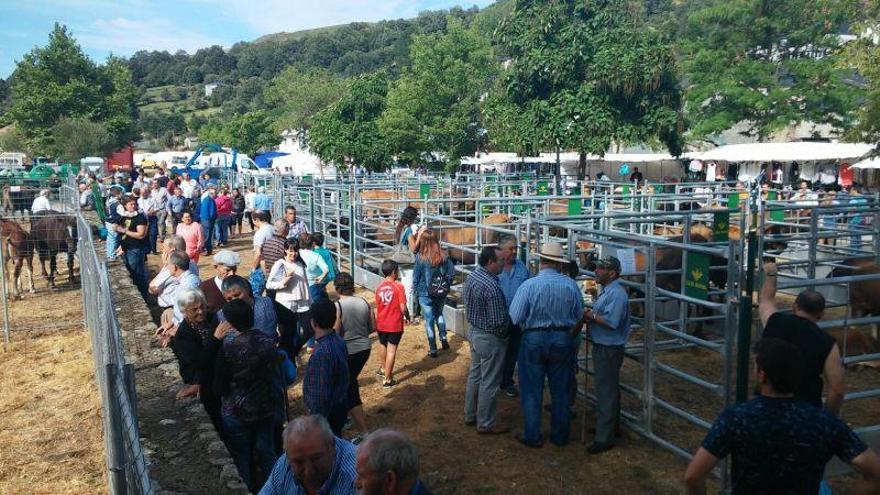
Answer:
x=300 y=161
x=868 y=164
x=786 y=152
x=816 y=161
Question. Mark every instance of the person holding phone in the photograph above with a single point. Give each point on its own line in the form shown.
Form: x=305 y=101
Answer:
x=288 y=279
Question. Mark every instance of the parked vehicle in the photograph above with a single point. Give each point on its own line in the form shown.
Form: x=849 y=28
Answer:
x=213 y=156
x=12 y=161
x=94 y=164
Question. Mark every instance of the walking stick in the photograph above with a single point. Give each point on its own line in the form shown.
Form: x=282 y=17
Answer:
x=586 y=381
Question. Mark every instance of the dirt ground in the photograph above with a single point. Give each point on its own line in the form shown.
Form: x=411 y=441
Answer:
x=51 y=431
x=428 y=405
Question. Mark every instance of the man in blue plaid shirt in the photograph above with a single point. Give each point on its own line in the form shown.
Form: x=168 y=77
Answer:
x=325 y=385
x=486 y=310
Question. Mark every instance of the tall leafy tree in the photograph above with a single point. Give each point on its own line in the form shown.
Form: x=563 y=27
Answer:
x=118 y=110
x=248 y=133
x=585 y=74
x=78 y=137
x=768 y=64
x=297 y=96
x=347 y=132
x=435 y=105
x=251 y=132
x=863 y=55
x=60 y=81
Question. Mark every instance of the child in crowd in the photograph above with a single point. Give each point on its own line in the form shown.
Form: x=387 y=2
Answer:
x=391 y=313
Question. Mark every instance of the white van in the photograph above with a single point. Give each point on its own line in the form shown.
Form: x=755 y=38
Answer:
x=93 y=164
x=12 y=161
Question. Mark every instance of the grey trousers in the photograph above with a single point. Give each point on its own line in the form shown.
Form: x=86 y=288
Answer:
x=162 y=220
x=607 y=361
x=484 y=378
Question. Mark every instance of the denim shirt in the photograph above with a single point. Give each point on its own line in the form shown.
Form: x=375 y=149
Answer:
x=549 y=300
x=510 y=280
x=423 y=272
x=613 y=307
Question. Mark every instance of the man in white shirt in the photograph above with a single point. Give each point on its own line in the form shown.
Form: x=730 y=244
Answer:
x=187 y=185
x=249 y=205
x=41 y=202
x=178 y=269
x=264 y=231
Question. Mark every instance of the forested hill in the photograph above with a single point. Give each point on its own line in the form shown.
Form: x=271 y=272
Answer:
x=345 y=50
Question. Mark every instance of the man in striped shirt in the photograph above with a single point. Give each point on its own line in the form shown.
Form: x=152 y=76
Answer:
x=486 y=311
x=550 y=309
x=314 y=461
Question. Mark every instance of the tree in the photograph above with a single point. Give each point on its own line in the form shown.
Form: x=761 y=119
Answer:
x=248 y=133
x=435 y=105
x=863 y=55
x=297 y=96
x=118 y=111
x=60 y=81
x=768 y=64
x=251 y=132
x=78 y=137
x=584 y=75
x=347 y=132
x=12 y=139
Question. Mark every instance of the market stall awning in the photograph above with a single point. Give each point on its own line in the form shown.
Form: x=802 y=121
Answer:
x=786 y=152
x=869 y=163
x=264 y=160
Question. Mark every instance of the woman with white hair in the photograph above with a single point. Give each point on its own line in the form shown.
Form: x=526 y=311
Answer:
x=195 y=346
x=41 y=202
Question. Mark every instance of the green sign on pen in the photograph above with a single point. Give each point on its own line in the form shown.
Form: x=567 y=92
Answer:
x=775 y=215
x=625 y=190
x=697 y=277
x=575 y=207
x=733 y=201
x=543 y=188
x=424 y=191
x=721 y=226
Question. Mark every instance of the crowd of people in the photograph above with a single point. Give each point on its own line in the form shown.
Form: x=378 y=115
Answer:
x=240 y=343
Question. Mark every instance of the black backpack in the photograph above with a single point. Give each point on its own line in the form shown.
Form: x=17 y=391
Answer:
x=439 y=285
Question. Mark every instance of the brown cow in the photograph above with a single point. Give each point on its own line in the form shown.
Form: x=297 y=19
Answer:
x=467 y=237
x=381 y=208
x=863 y=300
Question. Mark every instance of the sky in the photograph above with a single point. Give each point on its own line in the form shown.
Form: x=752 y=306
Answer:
x=122 y=27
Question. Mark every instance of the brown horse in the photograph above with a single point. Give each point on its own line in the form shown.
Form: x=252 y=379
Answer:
x=18 y=246
x=53 y=233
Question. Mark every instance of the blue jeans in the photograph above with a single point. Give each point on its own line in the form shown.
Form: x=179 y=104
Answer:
x=221 y=230
x=134 y=261
x=246 y=440
x=318 y=292
x=112 y=241
x=152 y=233
x=208 y=234
x=432 y=311
x=545 y=353
x=855 y=240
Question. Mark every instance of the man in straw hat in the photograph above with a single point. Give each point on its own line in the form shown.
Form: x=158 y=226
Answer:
x=549 y=308
x=609 y=323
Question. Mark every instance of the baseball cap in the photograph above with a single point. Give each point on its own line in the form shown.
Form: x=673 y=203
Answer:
x=609 y=263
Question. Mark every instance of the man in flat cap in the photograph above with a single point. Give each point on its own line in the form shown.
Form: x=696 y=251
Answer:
x=225 y=264
x=609 y=329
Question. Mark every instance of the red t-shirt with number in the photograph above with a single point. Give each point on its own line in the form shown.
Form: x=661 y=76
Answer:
x=389 y=297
